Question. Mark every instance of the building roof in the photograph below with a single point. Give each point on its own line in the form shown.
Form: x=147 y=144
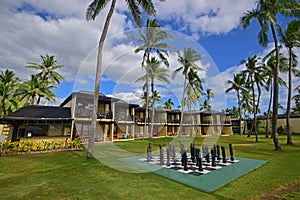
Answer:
x=35 y=111
x=39 y=114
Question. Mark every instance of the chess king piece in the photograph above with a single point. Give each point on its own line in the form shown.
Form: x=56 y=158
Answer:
x=213 y=157
x=149 y=152
x=231 y=152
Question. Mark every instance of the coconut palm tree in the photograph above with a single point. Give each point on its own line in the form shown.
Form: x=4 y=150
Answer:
x=266 y=12
x=35 y=88
x=269 y=70
x=296 y=98
x=290 y=38
x=48 y=72
x=93 y=10
x=168 y=104
x=237 y=84
x=189 y=70
x=193 y=96
x=155 y=72
x=8 y=92
x=246 y=106
x=152 y=39
x=209 y=94
x=253 y=76
x=48 y=69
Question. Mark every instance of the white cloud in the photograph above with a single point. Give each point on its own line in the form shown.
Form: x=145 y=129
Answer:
x=203 y=16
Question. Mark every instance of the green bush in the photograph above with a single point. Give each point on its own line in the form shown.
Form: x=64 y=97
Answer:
x=280 y=130
x=31 y=145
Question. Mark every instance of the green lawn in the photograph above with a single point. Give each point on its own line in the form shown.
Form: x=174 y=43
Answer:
x=69 y=175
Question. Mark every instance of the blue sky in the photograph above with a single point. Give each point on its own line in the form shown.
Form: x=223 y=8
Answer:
x=32 y=28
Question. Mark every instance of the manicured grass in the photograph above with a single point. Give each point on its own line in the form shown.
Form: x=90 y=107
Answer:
x=69 y=175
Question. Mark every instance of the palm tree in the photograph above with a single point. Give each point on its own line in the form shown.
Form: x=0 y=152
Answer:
x=269 y=70
x=209 y=94
x=246 y=106
x=237 y=84
x=265 y=12
x=93 y=10
x=155 y=72
x=290 y=38
x=8 y=92
x=47 y=68
x=48 y=73
x=189 y=70
x=168 y=104
x=296 y=98
x=253 y=75
x=152 y=39
x=193 y=95
x=35 y=88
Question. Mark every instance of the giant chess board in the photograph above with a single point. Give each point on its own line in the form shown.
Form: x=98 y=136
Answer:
x=192 y=168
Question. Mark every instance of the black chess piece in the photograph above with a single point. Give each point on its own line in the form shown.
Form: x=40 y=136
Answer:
x=192 y=150
x=207 y=157
x=184 y=160
x=231 y=152
x=223 y=154
x=197 y=154
x=199 y=159
x=213 y=157
x=218 y=153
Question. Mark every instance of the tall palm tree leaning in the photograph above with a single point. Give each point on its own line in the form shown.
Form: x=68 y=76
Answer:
x=290 y=38
x=48 y=73
x=155 y=72
x=266 y=12
x=152 y=39
x=237 y=84
x=189 y=70
x=93 y=10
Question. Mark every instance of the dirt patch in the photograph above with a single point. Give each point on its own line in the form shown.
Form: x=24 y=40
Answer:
x=279 y=192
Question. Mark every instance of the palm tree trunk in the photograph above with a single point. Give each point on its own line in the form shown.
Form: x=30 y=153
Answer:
x=153 y=101
x=275 y=97
x=269 y=111
x=254 y=109
x=245 y=122
x=257 y=107
x=288 y=109
x=145 y=133
x=90 y=152
x=240 y=114
x=182 y=106
x=191 y=121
